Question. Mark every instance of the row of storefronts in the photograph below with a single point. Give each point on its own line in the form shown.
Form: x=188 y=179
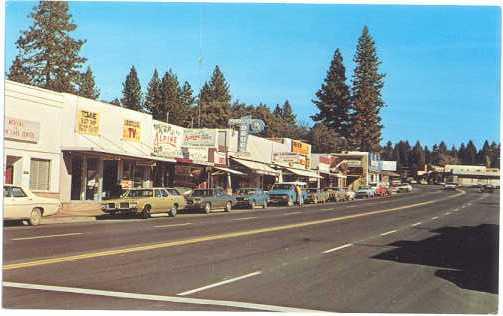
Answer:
x=73 y=148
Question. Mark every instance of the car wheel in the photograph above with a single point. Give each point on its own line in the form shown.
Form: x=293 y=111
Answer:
x=173 y=211
x=252 y=204
x=228 y=206
x=145 y=214
x=265 y=204
x=35 y=217
x=207 y=208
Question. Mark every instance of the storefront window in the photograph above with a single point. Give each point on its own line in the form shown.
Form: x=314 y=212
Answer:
x=39 y=174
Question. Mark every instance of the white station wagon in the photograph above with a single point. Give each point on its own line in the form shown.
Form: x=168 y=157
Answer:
x=22 y=204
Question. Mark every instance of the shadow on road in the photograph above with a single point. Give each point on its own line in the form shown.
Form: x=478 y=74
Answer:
x=468 y=255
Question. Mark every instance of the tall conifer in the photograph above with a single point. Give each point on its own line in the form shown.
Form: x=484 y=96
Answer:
x=131 y=91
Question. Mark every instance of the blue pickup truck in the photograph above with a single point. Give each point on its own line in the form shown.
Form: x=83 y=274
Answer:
x=284 y=193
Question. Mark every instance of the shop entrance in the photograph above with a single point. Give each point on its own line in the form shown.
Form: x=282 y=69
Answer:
x=76 y=178
x=11 y=164
x=111 y=187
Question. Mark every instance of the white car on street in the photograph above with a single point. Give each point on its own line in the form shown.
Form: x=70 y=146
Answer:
x=22 y=204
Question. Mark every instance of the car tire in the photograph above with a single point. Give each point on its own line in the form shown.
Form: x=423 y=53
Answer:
x=207 y=208
x=173 y=211
x=228 y=206
x=145 y=213
x=35 y=217
x=252 y=204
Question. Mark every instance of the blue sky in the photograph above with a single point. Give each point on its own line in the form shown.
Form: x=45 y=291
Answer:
x=442 y=63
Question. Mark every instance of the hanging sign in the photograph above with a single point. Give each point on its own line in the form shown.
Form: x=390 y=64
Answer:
x=88 y=123
x=131 y=131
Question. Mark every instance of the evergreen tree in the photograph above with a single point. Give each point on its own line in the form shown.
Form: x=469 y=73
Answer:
x=116 y=102
x=387 y=152
x=278 y=111
x=462 y=153
x=87 y=86
x=187 y=102
x=366 y=95
x=324 y=139
x=153 y=98
x=48 y=55
x=287 y=114
x=427 y=155
x=215 y=101
x=131 y=91
x=18 y=72
x=417 y=159
x=333 y=99
x=495 y=155
x=471 y=153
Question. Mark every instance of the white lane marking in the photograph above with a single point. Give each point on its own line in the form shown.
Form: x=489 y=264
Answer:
x=435 y=217
x=328 y=209
x=47 y=236
x=292 y=213
x=243 y=218
x=160 y=298
x=173 y=225
x=416 y=224
x=337 y=248
x=388 y=233
x=448 y=213
x=456 y=210
x=220 y=283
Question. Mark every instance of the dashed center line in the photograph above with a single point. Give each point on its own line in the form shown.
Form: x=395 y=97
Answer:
x=435 y=217
x=173 y=225
x=388 y=233
x=244 y=218
x=416 y=224
x=448 y=213
x=47 y=236
x=220 y=283
x=337 y=248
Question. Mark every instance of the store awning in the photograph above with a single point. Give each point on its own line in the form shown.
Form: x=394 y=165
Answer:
x=94 y=150
x=304 y=173
x=239 y=173
x=257 y=167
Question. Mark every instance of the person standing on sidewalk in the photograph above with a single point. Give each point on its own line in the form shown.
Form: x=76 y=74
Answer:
x=300 y=199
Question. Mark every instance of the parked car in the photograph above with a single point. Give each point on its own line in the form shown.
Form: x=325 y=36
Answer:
x=316 y=195
x=423 y=181
x=350 y=194
x=251 y=197
x=364 y=192
x=21 y=204
x=487 y=188
x=209 y=199
x=383 y=191
x=404 y=187
x=145 y=202
x=337 y=194
x=450 y=186
x=284 y=193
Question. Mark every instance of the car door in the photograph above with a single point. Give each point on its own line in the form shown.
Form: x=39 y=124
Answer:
x=219 y=198
x=157 y=202
x=166 y=200
x=21 y=204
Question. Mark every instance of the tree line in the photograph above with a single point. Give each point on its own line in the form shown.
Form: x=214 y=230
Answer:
x=418 y=156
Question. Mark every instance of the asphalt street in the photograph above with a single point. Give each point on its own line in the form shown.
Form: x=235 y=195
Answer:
x=429 y=251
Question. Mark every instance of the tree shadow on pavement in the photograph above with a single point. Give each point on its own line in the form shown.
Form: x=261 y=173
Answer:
x=467 y=255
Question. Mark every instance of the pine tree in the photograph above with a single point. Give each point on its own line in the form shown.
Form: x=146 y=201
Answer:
x=484 y=155
x=18 y=72
x=172 y=104
x=427 y=155
x=287 y=114
x=153 y=98
x=387 y=152
x=87 y=86
x=215 y=101
x=333 y=99
x=324 y=139
x=417 y=159
x=462 y=153
x=187 y=101
x=471 y=153
x=278 y=111
x=116 y=102
x=366 y=95
x=131 y=91
x=48 y=55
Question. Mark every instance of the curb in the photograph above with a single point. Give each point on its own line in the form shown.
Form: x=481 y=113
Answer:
x=67 y=219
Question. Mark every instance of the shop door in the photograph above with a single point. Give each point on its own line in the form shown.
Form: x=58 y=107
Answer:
x=9 y=174
x=76 y=178
x=111 y=187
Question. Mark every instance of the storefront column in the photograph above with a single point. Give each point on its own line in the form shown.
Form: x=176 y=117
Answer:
x=229 y=183
x=83 y=178
x=120 y=169
x=99 y=178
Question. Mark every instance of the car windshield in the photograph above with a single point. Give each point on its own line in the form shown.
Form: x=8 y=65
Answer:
x=139 y=193
x=201 y=193
x=282 y=187
x=247 y=191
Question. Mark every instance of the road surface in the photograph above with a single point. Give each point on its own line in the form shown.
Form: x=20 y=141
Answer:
x=429 y=251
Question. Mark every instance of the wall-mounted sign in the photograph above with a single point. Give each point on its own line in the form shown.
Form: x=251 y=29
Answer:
x=387 y=165
x=168 y=140
x=199 y=138
x=131 y=131
x=88 y=123
x=292 y=159
x=247 y=125
x=218 y=158
x=300 y=147
x=354 y=163
x=195 y=154
x=22 y=130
